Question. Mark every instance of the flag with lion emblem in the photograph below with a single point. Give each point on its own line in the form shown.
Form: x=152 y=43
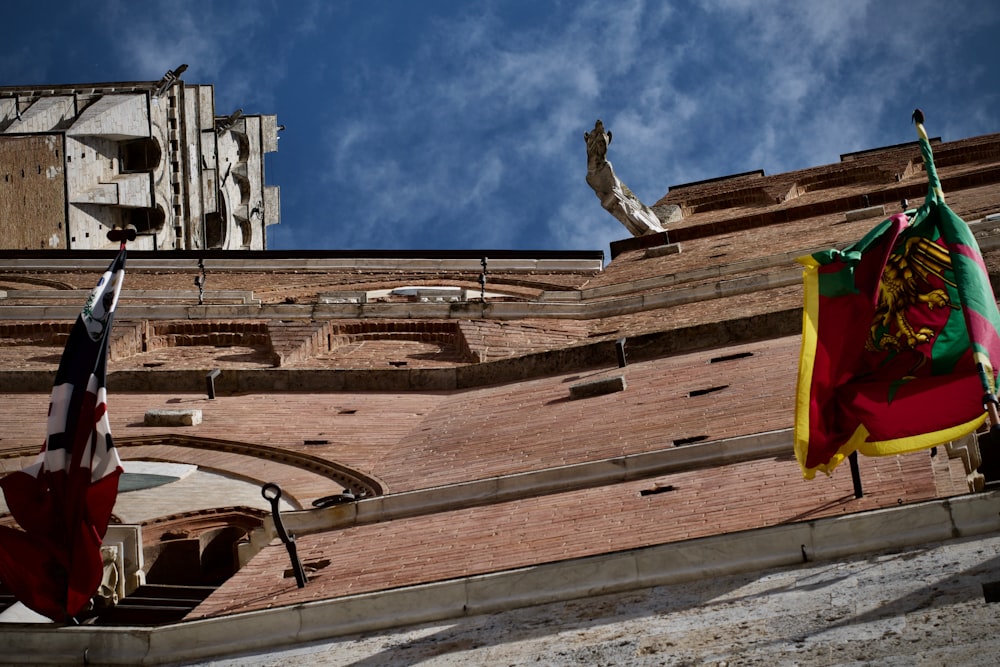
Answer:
x=899 y=330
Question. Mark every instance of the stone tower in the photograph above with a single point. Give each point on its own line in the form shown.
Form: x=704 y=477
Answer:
x=78 y=160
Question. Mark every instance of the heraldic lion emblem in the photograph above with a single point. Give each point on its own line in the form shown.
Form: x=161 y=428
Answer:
x=905 y=286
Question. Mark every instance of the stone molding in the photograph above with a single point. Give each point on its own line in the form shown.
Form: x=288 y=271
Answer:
x=895 y=528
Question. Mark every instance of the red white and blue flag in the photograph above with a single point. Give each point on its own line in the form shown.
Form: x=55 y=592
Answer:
x=63 y=501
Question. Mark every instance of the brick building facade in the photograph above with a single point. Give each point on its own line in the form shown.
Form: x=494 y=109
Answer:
x=451 y=442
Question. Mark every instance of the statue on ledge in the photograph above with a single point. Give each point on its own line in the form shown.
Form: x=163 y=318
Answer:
x=615 y=196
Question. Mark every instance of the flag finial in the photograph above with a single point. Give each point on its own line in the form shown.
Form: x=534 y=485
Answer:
x=122 y=235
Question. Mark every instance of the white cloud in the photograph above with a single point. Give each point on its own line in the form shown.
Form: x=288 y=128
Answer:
x=584 y=228
x=505 y=124
x=463 y=124
x=222 y=44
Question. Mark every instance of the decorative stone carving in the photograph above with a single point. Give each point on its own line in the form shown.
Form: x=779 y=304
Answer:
x=108 y=592
x=615 y=196
x=967 y=449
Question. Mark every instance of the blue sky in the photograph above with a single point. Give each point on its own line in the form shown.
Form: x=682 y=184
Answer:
x=459 y=125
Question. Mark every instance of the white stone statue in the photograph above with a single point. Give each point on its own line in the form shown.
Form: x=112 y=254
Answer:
x=107 y=594
x=615 y=196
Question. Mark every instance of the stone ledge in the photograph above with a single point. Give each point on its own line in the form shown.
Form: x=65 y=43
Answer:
x=560 y=479
x=597 y=387
x=230 y=260
x=172 y=417
x=786 y=545
x=663 y=250
x=862 y=213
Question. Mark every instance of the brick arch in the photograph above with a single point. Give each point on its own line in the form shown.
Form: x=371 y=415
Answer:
x=513 y=287
x=136 y=337
x=36 y=333
x=200 y=546
x=297 y=489
x=35 y=282
x=426 y=331
x=447 y=336
x=207 y=332
x=246 y=518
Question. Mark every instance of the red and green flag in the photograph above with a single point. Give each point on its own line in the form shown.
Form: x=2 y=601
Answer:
x=899 y=330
